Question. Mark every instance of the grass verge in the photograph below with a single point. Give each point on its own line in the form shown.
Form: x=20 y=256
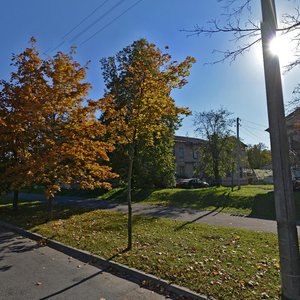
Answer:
x=215 y=261
x=250 y=200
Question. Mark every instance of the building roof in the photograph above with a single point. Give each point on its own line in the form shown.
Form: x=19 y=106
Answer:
x=293 y=113
x=186 y=139
x=290 y=116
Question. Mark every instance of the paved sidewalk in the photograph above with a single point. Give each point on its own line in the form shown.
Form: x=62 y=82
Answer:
x=183 y=214
x=28 y=271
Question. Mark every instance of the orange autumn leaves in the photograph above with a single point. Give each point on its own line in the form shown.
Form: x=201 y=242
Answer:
x=50 y=133
x=138 y=103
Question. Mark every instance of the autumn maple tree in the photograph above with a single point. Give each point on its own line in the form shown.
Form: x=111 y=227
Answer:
x=50 y=131
x=138 y=105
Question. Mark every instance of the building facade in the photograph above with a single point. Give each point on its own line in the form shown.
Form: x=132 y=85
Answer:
x=293 y=133
x=186 y=151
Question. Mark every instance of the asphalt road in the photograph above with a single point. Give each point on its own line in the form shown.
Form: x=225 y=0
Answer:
x=187 y=215
x=29 y=271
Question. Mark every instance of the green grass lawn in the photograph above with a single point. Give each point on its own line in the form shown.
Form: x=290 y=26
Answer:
x=250 y=200
x=220 y=262
x=253 y=200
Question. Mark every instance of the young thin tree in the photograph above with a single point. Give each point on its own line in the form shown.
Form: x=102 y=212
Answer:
x=259 y=156
x=137 y=103
x=215 y=127
x=51 y=130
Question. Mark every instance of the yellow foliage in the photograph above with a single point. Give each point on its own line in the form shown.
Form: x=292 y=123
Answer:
x=51 y=136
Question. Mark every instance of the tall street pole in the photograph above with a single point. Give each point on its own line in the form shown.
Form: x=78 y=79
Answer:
x=284 y=201
x=238 y=149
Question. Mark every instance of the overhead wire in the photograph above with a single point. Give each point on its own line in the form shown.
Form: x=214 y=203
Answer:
x=253 y=128
x=253 y=139
x=88 y=27
x=111 y=22
x=96 y=21
x=260 y=125
x=85 y=18
x=249 y=132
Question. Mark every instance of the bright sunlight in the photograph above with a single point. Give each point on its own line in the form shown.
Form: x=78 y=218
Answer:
x=283 y=48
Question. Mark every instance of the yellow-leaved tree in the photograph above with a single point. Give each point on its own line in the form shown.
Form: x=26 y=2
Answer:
x=51 y=132
x=138 y=104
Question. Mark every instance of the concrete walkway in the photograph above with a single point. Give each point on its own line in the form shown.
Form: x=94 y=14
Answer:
x=29 y=271
x=186 y=215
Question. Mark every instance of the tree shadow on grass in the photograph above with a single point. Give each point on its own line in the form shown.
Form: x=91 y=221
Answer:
x=263 y=207
x=31 y=214
x=195 y=220
x=193 y=198
x=138 y=195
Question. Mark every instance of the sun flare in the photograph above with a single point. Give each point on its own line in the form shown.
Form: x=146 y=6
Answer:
x=283 y=48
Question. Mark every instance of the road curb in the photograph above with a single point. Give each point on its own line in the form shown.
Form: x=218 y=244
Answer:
x=143 y=279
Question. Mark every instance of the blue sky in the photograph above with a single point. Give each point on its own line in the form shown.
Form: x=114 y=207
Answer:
x=238 y=86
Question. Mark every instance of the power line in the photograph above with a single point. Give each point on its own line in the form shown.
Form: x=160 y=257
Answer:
x=75 y=27
x=112 y=21
x=253 y=128
x=59 y=45
x=85 y=18
x=96 y=21
x=260 y=125
x=249 y=132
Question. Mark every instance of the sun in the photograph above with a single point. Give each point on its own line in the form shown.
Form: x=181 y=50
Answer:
x=282 y=47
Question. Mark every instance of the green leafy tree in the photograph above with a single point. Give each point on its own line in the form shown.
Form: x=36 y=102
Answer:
x=227 y=159
x=138 y=103
x=259 y=156
x=215 y=127
x=154 y=164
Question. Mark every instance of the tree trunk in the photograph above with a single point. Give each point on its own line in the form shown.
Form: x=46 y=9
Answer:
x=50 y=208
x=129 y=188
x=216 y=173
x=15 y=201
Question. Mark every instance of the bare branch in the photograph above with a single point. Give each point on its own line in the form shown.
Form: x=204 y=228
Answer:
x=232 y=11
x=231 y=55
x=247 y=33
x=216 y=28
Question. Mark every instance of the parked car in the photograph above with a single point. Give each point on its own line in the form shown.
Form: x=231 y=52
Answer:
x=296 y=180
x=191 y=183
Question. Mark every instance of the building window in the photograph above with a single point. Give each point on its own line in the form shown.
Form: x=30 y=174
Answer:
x=181 y=152
x=195 y=154
x=181 y=171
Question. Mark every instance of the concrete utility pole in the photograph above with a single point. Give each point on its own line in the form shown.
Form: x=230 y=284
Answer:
x=284 y=201
x=238 y=150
